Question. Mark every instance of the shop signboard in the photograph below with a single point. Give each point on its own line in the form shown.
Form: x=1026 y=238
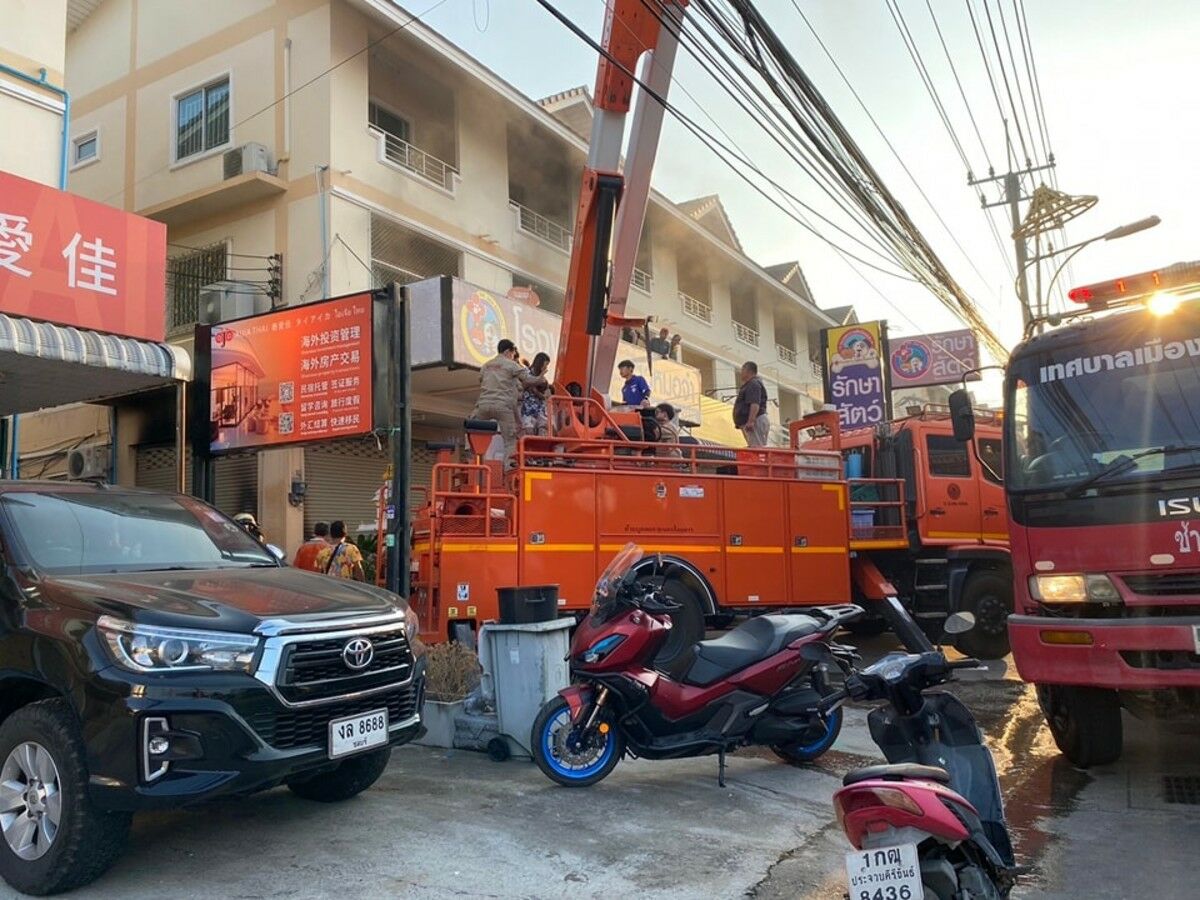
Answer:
x=929 y=359
x=855 y=378
x=298 y=374
x=71 y=261
x=481 y=319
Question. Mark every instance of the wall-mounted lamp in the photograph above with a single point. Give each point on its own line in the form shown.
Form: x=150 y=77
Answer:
x=298 y=489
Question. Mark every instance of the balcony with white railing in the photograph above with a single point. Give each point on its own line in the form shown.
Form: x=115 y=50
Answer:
x=745 y=334
x=642 y=280
x=786 y=354
x=814 y=368
x=536 y=225
x=413 y=160
x=697 y=309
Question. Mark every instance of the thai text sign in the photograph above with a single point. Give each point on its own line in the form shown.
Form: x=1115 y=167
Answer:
x=298 y=374
x=855 y=380
x=942 y=358
x=71 y=261
x=482 y=318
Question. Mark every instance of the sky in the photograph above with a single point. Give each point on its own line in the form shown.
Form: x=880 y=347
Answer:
x=1120 y=83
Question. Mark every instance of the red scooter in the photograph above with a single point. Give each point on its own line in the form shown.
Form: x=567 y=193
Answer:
x=752 y=685
x=930 y=823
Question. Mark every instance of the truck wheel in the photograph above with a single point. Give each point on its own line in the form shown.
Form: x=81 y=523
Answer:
x=350 y=778
x=1085 y=722
x=687 y=627
x=988 y=596
x=55 y=839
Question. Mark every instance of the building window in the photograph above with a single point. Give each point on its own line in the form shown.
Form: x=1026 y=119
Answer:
x=85 y=148
x=947 y=457
x=389 y=122
x=186 y=275
x=202 y=119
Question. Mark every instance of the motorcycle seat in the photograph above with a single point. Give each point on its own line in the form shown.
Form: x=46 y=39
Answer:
x=752 y=641
x=897 y=772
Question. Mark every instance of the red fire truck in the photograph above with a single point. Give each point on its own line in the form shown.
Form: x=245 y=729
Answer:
x=1102 y=477
x=956 y=557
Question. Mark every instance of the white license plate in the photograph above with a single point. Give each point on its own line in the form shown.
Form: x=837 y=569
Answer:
x=885 y=873
x=355 y=734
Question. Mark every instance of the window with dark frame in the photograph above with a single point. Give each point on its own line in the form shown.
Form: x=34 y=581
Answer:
x=202 y=119
x=389 y=122
x=947 y=457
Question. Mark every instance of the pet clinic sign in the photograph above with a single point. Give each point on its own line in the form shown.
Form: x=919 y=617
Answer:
x=855 y=379
x=70 y=261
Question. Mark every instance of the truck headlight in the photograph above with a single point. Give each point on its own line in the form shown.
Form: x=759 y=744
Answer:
x=1074 y=588
x=148 y=648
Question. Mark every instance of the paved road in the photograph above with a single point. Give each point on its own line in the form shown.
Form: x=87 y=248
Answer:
x=444 y=824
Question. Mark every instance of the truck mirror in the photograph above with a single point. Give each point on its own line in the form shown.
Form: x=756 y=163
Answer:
x=962 y=416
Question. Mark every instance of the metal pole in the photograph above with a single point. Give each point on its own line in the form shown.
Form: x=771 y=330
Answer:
x=1012 y=192
x=400 y=436
x=181 y=430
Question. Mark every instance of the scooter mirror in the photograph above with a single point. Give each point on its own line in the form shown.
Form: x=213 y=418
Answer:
x=959 y=623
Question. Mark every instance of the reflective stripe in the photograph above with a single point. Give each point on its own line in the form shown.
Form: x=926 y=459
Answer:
x=732 y=549
x=838 y=550
x=478 y=548
x=561 y=548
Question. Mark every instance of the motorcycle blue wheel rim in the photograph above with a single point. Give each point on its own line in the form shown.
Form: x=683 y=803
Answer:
x=563 y=720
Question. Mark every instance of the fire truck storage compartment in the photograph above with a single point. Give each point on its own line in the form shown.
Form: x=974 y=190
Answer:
x=530 y=603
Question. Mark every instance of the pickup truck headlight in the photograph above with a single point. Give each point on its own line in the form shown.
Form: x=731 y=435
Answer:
x=1075 y=588
x=412 y=624
x=147 y=648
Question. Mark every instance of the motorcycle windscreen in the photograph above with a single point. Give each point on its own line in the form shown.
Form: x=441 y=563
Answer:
x=944 y=734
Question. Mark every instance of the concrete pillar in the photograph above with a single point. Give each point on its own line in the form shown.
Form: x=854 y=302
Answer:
x=282 y=522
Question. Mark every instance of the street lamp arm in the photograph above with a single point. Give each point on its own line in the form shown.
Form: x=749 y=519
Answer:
x=1063 y=265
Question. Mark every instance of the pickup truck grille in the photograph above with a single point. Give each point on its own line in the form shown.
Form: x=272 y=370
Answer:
x=315 y=670
x=288 y=729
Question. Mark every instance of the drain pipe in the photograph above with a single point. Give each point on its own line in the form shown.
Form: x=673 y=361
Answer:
x=14 y=435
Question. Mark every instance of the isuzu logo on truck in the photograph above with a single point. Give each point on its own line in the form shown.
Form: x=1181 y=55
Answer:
x=1179 y=506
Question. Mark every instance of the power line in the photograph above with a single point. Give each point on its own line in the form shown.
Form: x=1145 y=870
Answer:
x=1017 y=78
x=962 y=93
x=1007 y=87
x=992 y=81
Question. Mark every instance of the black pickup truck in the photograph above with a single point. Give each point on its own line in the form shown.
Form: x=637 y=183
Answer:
x=152 y=654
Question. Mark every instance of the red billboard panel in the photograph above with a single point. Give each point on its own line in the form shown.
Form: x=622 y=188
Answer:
x=72 y=261
x=298 y=374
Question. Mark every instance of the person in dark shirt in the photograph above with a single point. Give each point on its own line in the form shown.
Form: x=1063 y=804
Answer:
x=750 y=407
x=635 y=391
x=661 y=345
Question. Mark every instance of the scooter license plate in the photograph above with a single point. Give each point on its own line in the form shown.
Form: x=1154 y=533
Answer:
x=884 y=873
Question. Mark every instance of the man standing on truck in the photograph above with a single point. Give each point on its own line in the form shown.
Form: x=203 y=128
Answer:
x=501 y=381
x=635 y=391
x=750 y=407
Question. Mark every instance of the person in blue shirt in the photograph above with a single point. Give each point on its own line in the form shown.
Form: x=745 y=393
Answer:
x=635 y=391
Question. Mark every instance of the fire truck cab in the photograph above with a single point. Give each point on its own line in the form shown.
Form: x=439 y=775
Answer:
x=956 y=556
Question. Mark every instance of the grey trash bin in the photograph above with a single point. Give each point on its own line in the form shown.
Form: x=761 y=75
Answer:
x=526 y=666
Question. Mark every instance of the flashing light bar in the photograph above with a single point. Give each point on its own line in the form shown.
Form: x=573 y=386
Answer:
x=1179 y=275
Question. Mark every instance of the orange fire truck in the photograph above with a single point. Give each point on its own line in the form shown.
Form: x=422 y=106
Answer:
x=728 y=529
x=957 y=555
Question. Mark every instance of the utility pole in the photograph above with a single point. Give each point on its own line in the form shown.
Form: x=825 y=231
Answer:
x=1012 y=199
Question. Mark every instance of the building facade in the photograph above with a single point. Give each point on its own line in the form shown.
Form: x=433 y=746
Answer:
x=304 y=149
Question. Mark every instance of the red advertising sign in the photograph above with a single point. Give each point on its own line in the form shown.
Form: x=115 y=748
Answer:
x=71 y=261
x=298 y=374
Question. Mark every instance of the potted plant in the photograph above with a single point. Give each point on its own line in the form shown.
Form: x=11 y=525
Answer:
x=452 y=674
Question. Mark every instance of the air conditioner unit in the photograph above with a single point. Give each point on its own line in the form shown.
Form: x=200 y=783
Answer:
x=88 y=462
x=247 y=158
x=222 y=301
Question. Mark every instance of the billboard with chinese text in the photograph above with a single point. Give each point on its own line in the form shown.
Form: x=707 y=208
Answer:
x=928 y=359
x=297 y=374
x=482 y=318
x=71 y=261
x=855 y=377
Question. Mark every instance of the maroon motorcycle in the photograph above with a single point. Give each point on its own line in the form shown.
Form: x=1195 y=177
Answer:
x=751 y=686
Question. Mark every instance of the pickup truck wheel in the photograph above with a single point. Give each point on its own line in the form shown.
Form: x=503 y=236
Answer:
x=1085 y=722
x=54 y=839
x=350 y=778
x=988 y=596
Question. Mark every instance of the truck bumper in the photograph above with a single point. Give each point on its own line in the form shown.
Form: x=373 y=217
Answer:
x=1125 y=654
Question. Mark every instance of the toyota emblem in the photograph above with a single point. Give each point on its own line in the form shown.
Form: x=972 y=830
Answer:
x=358 y=653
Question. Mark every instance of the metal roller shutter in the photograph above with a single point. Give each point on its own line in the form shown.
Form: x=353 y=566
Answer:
x=236 y=477
x=343 y=477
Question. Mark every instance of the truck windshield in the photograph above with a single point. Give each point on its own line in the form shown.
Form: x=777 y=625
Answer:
x=1121 y=406
x=77 y=532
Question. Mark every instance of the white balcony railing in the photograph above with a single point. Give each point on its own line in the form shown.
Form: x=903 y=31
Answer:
x=412 y=159
x=697 y=309
x=538 y=226
x=786 y=354
x=815 y=368
x=642 y=280
x=745 y=334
